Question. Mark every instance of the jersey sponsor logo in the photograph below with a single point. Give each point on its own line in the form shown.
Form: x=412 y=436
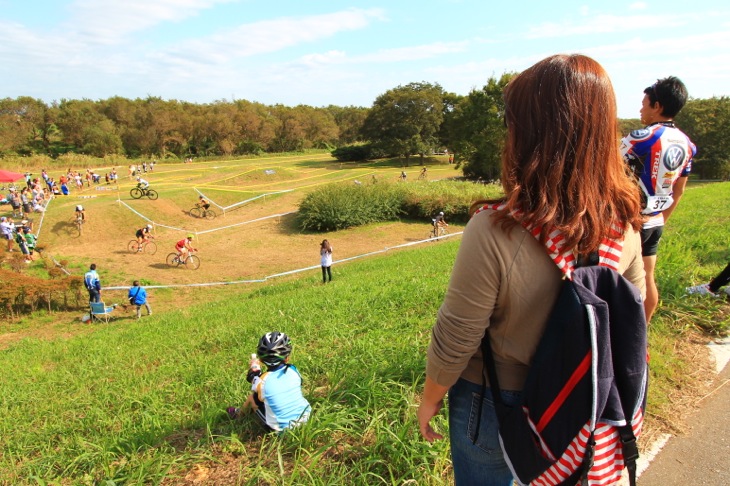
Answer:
x=674 y=156
x=640 y=133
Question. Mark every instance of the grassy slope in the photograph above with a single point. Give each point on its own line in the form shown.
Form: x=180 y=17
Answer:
x=136 y=402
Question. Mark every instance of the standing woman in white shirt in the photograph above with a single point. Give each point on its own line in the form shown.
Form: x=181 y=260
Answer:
x=325 y=253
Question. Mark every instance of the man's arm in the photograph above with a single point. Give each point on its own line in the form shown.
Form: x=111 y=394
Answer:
x=677 y=192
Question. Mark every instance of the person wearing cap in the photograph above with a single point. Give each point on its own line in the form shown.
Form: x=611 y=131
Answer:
x=30 y=240
x=184 y=247
x=143 y=234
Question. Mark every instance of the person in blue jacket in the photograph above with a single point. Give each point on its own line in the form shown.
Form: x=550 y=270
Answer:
x=138 y=296
x=93 y=284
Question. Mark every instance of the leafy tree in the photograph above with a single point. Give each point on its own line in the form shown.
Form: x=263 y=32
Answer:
x=26 y=125
x=476 y=130
x=707 y=123
x=74 y=116
x=102 y=139
x=406 y=120
x=626 y=125
x=349 y=121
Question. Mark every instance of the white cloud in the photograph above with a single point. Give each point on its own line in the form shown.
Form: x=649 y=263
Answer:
x=107 y=22
x=605 y=24
x=638 y=6
x=411 y=53
x=269 y=36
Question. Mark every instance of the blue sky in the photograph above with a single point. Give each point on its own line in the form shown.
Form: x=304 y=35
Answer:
x=346 y=52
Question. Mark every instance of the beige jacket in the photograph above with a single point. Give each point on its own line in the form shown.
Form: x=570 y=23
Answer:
x=504 y=281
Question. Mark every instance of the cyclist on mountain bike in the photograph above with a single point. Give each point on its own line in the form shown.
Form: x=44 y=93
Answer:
x=142 y=184
x=204 y=203
x=143 y=235
x=439 y=223
x=423 y=174
x=184 y=247
x=80 y=213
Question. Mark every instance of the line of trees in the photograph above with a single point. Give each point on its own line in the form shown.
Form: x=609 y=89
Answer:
x=155 y=127
x=416 y=119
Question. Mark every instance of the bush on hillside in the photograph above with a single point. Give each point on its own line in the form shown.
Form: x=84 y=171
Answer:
x=24 y=294
x=339 y=206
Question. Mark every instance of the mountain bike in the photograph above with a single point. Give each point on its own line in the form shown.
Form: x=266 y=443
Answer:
x=438 y=231
x=192 y=262
x=147 y=246
x=79 y=224
x=138 y=192
x=200 y=212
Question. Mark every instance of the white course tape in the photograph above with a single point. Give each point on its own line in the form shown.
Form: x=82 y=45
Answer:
x=290 y=272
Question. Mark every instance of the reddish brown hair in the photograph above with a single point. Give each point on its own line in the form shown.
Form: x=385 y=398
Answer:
x=561 y=165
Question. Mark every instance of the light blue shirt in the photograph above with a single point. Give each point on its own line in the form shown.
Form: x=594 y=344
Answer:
x=281 y=392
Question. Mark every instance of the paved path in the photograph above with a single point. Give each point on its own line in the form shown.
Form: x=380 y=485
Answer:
x=701 y=456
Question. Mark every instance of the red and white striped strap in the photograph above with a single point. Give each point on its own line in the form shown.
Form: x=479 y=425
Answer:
x=609 y=251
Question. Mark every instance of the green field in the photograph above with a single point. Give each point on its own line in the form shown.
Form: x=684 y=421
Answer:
x=143 y=402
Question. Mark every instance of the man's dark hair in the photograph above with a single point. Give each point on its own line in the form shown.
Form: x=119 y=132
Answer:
x=670 y=92
x=93 y=266
x=135 y=283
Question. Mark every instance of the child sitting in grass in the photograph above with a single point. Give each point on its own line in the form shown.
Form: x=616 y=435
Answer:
x=277 y=397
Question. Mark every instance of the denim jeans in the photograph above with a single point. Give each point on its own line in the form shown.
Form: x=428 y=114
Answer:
x=481 y=462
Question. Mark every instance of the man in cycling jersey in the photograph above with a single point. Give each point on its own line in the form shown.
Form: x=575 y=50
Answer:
x=80 y=213
x=660 y=156
x=143 y=234
x=439 y=222
x=184 y=247
x=142 y=184
x=204 y=203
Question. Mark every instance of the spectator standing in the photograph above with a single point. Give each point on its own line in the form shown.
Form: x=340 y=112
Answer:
x=93 y=284
x=325 y=253
x=660 y=156
x=138 y=296
x=6 y=232
x=30 y=240
x=504 y=282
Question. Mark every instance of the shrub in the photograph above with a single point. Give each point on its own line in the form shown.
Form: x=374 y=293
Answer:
x=340 y=206
x=352 y=153
x=24 y=294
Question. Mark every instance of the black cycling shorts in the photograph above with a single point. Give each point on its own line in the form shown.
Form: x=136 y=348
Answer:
x=650 y=240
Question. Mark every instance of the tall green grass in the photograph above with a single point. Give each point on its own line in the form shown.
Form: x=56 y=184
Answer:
x=143 y=402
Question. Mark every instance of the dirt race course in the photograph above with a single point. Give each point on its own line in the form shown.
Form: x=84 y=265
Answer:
x=248 y=242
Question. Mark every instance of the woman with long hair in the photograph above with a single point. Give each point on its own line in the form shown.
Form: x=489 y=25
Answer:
x=325 y=255
x=562 y=173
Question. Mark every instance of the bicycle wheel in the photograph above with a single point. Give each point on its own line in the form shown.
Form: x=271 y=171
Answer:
x=152 y=194
x=192 y=263
x=209 y=214
x=136 y=193
x=172 y=260
x=195 y=212
x=133 y=246
x=150 y=247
